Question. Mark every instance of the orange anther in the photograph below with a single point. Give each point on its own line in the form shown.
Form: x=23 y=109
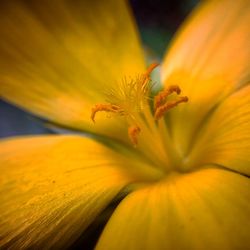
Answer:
x=104 y=107
x=161 y=110
x=150 y=68
x=160 y=98
x=146 y=75
x=133 y=132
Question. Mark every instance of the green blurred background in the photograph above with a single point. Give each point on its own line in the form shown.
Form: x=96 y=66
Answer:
x=157 y=20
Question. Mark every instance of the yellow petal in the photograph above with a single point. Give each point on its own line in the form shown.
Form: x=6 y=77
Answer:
x=208 y=209
x=225 y=140
x=53 y=187
x=209 y=59
x=57 y=59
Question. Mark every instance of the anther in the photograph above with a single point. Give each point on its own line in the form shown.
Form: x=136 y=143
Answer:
x=133 y=132
x=151 y=67
x=161 y=110
x=160 y=98
x=105 y=107
x=146 y=75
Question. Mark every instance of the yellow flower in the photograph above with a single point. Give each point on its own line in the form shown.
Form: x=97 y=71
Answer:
x=186 y=183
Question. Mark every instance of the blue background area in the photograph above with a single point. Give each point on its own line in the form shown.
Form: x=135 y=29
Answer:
x=14 y=121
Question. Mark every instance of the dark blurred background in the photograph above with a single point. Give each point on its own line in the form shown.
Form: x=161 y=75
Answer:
x=157 y=20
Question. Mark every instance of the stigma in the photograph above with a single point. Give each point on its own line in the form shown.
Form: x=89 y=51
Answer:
x=132 y=100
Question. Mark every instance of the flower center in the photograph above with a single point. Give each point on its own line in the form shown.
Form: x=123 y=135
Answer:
x=144 y=114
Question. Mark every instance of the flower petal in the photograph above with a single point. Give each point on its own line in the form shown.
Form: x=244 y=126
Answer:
x=208 y=209
x=225 y=139
x=209 y=59
x=57 y=59
x=53 y=187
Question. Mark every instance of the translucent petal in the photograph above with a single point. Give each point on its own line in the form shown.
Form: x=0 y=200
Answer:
x=225 y=139
x=58 y=58
x=53 y=187
x=209 y=59
x=208 y=209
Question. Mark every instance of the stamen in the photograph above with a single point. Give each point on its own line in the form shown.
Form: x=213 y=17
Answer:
x=161 y=110
x=133 y=132
x=106 y=108
x=131 y=99
x=151 y=67
x=146 y=76
x=160 y=98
